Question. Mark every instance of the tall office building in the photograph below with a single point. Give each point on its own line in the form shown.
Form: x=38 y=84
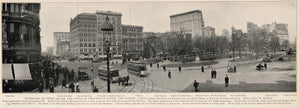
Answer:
x=189 y=22
x=209 y=31
x=280 y=29
x=115 y=38
x=133 y=40
x=87 y=40
x=83 y=32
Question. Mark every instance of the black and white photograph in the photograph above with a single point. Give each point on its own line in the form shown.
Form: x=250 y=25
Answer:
x=149 y=46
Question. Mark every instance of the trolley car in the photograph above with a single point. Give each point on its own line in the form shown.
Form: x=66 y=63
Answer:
x=114 y=73
x=137 y=68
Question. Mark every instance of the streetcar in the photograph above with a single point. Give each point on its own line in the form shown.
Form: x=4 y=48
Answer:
x=114 y=73
x=82 y=73
x=137 y=68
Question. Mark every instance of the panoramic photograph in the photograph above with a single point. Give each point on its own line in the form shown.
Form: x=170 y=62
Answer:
x=151 y=47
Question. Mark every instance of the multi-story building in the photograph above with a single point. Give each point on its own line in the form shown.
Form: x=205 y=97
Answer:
x=251 y=27
x=190 y=22
x=116 y=35
x=21 y=32
x=21 y=45
x=63 y=48
x=49 y=51
x=132 y=40
x=83 y=35
x=87 y=39
x=209 y=31
x=225 y=33
x=60 y=36
x=279 y=29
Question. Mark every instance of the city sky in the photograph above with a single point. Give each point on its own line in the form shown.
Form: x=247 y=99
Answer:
x=154 y=16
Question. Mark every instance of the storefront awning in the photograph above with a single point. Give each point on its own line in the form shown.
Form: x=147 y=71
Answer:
x=22 y=72
x=7 y=72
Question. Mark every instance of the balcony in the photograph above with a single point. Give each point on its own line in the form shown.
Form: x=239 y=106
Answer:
x=27 y=12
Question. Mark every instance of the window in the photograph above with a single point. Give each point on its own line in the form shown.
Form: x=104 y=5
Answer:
x=81 y=45
x=94 y=45
x=12 y=8
x=100 y=49
x=17 y=7
x=4 y=7
x=12 y=27
x=90 y=45
x=85 y=45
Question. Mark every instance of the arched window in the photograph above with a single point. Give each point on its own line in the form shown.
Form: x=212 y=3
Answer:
x=85 y=45
x=81 y=45
x=90 y=45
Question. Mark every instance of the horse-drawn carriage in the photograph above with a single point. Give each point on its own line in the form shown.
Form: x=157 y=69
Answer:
x=260 y=67
x=231 y=68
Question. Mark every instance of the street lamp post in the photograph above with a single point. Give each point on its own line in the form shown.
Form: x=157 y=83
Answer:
x=106 y=29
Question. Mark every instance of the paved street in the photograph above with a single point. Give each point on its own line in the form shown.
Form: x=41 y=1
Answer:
x=280 y=76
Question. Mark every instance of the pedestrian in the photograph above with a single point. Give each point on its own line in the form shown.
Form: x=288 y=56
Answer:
x=169 y=74
x=164 y=67
x=123 y=81
x=72 y=74
x=234 y=68
x=179 y=68
x=41 y=87
x=202 y=69
x=212 y=73
x=64 y=83
x=150 y=64
x=215 y=73
x=157 y=65
x=127 y=79
x=226 y=80
x=95 y=89
x=5 y=86
x=71 y=87
x=51 y=89
x=77 y=87
x=265 y=65
x=92 y=84
x=196 y=84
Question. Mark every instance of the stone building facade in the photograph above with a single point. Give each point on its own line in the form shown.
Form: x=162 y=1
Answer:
x=83 y=35
x=190 y=22
x=132 y=40
x=60 y=37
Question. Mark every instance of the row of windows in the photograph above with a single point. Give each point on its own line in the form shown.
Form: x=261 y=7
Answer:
x=112 y=43
x=87 y=34
x=114 y=53
x=87 y=45
x=132 y=30
x=87 y=50
x=113 y=49
x=87 y=39
x=18 y=7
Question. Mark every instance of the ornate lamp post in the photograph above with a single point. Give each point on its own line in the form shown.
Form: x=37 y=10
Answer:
x=107 y=29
